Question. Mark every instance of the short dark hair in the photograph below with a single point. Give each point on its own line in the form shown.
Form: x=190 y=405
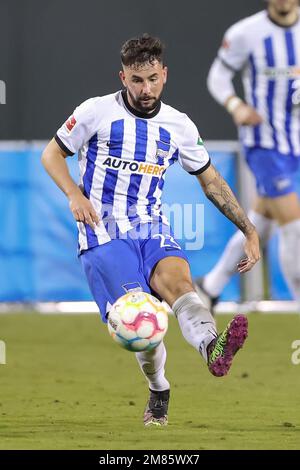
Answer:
x=138 y=51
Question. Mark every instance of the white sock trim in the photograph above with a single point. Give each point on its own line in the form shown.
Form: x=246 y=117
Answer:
x=191 y=298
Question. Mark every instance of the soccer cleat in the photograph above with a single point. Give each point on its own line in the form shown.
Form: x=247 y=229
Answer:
x=156 y=412
x=221 y=350
x=209 y=302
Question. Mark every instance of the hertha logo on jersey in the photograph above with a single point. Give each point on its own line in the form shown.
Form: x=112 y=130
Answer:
x=162 y=150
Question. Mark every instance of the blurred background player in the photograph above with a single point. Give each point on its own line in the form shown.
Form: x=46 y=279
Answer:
x=125 y=142
x=265 y=48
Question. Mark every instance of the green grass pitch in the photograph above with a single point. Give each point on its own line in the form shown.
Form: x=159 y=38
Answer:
x=67 y=385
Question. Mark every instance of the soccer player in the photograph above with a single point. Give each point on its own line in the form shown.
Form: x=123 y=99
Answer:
x=125 y=143
x=265 y=48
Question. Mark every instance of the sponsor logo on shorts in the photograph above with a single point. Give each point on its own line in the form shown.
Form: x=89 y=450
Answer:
x=132 y=287
x=283 y=184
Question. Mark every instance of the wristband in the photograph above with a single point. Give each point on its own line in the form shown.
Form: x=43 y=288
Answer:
x=233 y=103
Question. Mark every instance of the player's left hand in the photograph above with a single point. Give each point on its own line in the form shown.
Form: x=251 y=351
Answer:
x=245 y=115
x=252 y=252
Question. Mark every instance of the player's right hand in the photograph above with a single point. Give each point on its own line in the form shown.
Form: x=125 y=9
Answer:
x=245 y=115
x=83 y=210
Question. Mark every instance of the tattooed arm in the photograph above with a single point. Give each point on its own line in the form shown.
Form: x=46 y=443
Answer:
x=219 y=193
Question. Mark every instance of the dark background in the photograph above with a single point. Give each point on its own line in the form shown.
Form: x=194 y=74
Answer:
x=55 y=54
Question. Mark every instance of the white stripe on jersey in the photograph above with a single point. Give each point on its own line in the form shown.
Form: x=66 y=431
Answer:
x=295 y=124
x=157 y=194
x=146 y=182
x=280 y=95
x=120 y=202
x=266 y=133
x=95 y=198
x=260 y=92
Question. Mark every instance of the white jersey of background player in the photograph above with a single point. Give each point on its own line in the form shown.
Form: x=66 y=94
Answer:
x=265 y=47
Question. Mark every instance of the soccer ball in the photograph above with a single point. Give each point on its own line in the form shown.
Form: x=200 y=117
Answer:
x=138 y=321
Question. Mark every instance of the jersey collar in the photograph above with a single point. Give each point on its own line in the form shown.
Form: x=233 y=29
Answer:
x=137 y=113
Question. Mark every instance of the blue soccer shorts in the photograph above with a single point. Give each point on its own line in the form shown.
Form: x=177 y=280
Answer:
x=125 y=264
x=274 y=172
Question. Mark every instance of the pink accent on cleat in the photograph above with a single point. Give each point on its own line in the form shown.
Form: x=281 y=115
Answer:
x=221 y=351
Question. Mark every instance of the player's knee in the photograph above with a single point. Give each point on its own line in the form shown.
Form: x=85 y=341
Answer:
x=166 y=282
x=181 y=287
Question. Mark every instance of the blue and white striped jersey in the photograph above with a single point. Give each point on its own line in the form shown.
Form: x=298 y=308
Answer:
x=123 y=156
x=269 y=57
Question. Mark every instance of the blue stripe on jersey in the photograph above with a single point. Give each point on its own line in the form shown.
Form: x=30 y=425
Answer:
x=174 y=157
x=290 y=47
x=171 y=161
x=271 y=86
x=163 y=144
x=289 y=41
x=141 y=136
x=87 y=184
x=254 y=97
x=111 y=176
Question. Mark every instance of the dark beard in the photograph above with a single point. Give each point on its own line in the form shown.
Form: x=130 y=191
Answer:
x=139 y=107
x=283 y=13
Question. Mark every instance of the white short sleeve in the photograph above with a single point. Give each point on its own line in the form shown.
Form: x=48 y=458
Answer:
x=234 y=51
x=78 y=128
x=193 y=156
